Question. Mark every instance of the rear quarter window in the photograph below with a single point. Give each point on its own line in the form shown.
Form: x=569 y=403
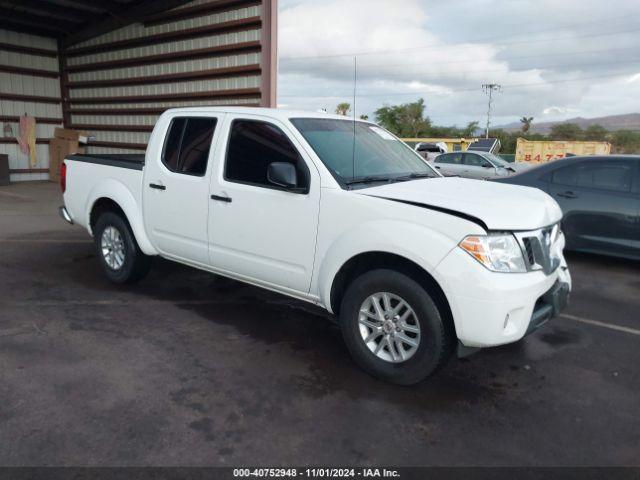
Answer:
x=187 y=145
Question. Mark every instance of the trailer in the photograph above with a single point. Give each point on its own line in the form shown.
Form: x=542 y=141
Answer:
x=542 y=151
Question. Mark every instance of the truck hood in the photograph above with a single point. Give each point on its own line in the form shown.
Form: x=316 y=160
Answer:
x=494 y=206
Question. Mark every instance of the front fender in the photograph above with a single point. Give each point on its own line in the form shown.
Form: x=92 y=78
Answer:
x=119 y=193
x=423 y=246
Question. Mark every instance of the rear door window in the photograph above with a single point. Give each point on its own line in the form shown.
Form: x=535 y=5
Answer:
x=566 y=176
x=473 y=160
x=606 y=176
x=450 y=158
x=171 y=151
x=188 y=143
x=613 y=176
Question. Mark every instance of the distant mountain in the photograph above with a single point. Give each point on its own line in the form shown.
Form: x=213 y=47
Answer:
x=628 y=121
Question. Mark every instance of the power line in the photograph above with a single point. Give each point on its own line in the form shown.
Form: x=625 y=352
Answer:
x=504 y=59
x=475 y=89
x=419 y=75
x=440 y=46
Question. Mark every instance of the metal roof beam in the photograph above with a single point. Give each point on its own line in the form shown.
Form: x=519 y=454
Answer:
x=39 y=8
x=22 y=28
x=31 y=20
x=128 y=14
x=96 y=6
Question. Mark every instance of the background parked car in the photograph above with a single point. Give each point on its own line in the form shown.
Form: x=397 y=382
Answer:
x=430 y=151
x=600 y=199
x=480 y=165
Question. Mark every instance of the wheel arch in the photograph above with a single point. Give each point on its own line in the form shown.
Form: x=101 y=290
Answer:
x=113 y=196
x=373 y=260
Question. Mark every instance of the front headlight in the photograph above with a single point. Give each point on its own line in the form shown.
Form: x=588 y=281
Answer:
x=499 y=253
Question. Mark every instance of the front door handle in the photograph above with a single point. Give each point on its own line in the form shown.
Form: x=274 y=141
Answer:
x=437 y=167
x=157 y=187
x=221 y=198
x=567 y=194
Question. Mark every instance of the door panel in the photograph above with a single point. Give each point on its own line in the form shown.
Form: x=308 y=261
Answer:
x=599 y=208
x=473 y=166
x=451 y=164
x=176 y=190
x=258 y=230
x=635 y=241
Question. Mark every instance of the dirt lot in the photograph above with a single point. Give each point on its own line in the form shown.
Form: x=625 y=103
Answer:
x=190 y=369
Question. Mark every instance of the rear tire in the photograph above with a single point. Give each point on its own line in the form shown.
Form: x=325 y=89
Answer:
x=118 y=251
x=402 y=344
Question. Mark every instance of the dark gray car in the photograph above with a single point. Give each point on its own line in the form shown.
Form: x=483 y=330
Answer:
x=600 y=199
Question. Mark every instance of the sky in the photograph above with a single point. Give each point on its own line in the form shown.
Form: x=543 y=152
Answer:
x=555 y=59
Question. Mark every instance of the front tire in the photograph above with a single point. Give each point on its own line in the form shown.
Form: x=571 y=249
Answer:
x=118 y=251
x=393 y=328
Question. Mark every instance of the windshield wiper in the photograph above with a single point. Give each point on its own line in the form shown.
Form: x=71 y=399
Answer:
x=370 y=179
x=413 y=176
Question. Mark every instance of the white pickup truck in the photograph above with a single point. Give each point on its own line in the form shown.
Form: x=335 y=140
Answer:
x=335 y=212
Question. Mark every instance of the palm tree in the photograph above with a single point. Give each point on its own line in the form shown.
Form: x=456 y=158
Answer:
x=526 y=123
x=343 y=108
x=470 y=129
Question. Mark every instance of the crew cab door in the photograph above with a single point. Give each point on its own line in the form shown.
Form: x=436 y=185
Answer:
x=176 y=188
x=476 y=166
x=259 y=230
x=449 y=164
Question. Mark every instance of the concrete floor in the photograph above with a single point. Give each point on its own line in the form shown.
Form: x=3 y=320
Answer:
x=189 y=369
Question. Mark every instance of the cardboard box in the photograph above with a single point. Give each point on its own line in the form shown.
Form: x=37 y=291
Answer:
x=59 y=148
x=68 y=134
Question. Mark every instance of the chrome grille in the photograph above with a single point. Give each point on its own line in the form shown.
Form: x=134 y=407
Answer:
x=537 y=246
x=529 y=250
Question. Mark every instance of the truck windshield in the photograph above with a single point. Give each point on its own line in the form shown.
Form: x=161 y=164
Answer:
x=375 y=155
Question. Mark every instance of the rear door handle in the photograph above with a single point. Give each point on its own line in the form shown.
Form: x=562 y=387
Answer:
x=567 y=194
x=220 y=198
x=157 y=187
x=438 y=168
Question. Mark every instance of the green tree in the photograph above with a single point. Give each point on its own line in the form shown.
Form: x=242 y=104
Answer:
x=406 y=120
x=470 y=129
x=507 y=140
x=626 y=141
x=526 y=124
x=566 y=131
x=388 y=117
x=595 y=132
x=343 y=108
x=364 y=117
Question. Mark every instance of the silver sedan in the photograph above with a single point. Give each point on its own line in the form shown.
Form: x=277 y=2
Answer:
x=480 y=165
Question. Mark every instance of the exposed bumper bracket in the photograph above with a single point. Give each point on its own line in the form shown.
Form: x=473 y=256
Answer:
x=62 y=211
x=549 y=305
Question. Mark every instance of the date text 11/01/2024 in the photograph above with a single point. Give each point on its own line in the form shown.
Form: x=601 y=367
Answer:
x=316 y=472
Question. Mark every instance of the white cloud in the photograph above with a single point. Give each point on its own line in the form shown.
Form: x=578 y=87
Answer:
x=633 y=78
x=555 y=110
x=432 y=49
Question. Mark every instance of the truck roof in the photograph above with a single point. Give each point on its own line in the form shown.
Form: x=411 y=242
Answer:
x=281 y=114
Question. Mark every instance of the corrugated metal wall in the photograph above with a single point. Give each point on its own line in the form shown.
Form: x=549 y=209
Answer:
x=203 y=53
x=29 y=83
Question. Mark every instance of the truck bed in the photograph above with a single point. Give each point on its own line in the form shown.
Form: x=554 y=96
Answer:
x=122 y=160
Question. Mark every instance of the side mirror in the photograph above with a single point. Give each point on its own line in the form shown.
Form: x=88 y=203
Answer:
x=283 y=174
x=487 y=165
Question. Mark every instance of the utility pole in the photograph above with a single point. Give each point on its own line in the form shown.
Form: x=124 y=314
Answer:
x=488 y=89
